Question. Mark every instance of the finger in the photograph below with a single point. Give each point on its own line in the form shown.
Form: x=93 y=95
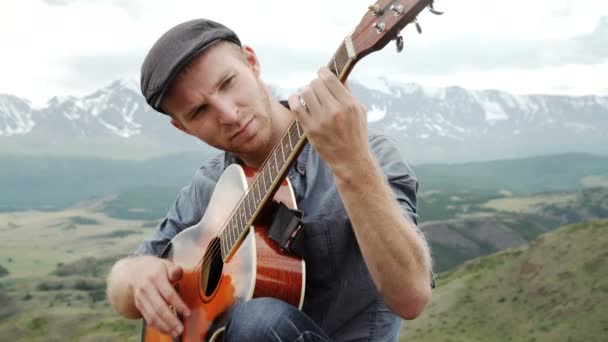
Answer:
x=333 y=84
x=299 y=111
x=164 y=314
x=170 y=296
x=148 y=310
x=311 y=99
x=323 y=95
x=174 y=272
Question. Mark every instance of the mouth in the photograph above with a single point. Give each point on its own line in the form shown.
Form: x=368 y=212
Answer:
x=241 y=130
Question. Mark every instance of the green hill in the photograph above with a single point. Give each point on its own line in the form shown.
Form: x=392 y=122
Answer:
x=520 y=176
x=553 y=289
x=508 y=222
x=54 y=183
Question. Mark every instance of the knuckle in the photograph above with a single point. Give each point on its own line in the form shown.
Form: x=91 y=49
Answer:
x=172 y=297
x=307 y=90
x=159 y=308
x=325 y=74
x=351 y=106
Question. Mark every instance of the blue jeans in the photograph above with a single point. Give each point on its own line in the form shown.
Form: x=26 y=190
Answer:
x=270 y=319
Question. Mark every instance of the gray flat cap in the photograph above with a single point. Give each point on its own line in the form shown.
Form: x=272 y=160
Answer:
x=174 y=50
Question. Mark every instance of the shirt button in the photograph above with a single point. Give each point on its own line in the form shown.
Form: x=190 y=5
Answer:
x=302 y=168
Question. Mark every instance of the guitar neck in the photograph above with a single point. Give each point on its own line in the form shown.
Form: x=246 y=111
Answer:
x=275 y=167
x=382 y=23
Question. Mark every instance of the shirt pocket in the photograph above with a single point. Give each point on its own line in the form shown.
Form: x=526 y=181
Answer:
x=318 y=250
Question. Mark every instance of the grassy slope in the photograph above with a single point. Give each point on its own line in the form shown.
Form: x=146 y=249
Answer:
x=37 y=303
x=550 y=290
x=530 y=293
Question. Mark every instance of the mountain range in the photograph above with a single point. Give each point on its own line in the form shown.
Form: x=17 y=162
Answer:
x=431 y=125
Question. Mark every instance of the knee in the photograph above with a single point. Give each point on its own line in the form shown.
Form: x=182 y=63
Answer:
x=258 y=319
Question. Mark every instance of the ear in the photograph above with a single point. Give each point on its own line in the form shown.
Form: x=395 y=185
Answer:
x=179 y=126
x=252 y=59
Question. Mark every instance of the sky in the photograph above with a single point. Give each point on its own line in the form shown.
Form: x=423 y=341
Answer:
x=74 y=47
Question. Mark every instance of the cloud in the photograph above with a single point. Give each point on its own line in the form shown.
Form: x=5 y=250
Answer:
x=447 y=56
x=61 y=47
x=591 y=48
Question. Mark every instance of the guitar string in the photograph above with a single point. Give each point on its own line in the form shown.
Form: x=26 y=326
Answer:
x=340 y=59
x=239 y=205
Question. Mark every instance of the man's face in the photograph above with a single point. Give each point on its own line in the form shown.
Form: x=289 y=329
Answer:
x=220 y=99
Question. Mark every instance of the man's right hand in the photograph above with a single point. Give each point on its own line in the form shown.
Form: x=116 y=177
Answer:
x=150 y=291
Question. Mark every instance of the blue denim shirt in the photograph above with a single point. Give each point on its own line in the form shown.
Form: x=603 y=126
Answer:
x=340 y=294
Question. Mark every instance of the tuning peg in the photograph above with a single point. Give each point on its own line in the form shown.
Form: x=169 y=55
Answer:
x=399 y=42
x=433 y=10
x=397 y=10
x=418 y=28
x=375 y=9
x=380 y=27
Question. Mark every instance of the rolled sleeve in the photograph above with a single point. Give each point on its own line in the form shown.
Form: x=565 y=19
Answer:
x=400 y=176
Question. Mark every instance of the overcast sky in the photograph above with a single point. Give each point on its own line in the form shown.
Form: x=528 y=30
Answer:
x=72 y=47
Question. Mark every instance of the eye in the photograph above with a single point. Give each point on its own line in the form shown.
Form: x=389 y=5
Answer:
x=228 y=82
x=199 y=110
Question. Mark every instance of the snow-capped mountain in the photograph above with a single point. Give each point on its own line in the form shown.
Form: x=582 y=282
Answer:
x=454 y=124
x=431 y=125
x=113 y=122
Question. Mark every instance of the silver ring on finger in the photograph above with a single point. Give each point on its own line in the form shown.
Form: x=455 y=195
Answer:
x=303 y=103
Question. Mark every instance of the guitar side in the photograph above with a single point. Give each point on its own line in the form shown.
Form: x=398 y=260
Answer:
x=258 y=268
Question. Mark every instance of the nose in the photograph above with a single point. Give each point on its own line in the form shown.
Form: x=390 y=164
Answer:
x=228 y=112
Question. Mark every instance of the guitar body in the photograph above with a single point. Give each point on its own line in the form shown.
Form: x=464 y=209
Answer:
x=258 y=268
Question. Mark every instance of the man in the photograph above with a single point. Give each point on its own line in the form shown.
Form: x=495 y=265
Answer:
x=367 y=264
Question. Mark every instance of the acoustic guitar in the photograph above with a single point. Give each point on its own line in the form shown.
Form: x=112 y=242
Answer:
x=228 y=257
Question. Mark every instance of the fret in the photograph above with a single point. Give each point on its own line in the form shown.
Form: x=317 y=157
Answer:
x=335 y=67
x=289 y=138
x=258 y=194
x=223 y=243
x=237 y=222
x=276 y=165
x=294 y=131
x=339 y=60
x=248 y=211
x=299 y=128
x=231 y=232
x=251 y=200
x=269 y=180
x=243 y=222
x=236 y=228
x=283 y=153
x=288 y=149
x=264 y=180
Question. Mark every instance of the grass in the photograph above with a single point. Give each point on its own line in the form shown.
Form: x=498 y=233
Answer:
x=144 y=203
x=541 y=292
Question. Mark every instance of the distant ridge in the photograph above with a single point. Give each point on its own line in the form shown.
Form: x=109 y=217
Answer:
x=431 y=125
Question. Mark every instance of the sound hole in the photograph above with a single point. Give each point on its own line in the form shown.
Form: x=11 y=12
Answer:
x=212 y=268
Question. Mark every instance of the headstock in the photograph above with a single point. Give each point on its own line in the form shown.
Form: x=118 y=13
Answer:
x=384 y=22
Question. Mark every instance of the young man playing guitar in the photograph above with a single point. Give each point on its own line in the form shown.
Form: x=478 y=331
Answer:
x=367 y=264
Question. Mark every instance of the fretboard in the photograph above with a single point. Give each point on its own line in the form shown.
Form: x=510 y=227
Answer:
x=274 y=169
